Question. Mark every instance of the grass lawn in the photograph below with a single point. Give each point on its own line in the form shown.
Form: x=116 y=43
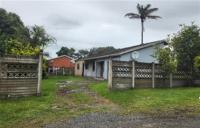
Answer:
x=153 y=101
x=34 y=111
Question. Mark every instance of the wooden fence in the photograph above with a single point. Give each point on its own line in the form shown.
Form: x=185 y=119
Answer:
x=20 y=75
x=123 y=74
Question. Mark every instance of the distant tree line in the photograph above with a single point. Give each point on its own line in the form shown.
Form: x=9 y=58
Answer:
x=84 y=52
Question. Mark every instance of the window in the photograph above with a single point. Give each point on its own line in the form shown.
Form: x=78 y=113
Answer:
x=77 y=66
x=93 y=66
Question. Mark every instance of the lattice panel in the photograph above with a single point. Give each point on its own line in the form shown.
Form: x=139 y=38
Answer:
x=181 y=75
x=3 y=70
x=21 y=75
x=122 y=69
x=16 y=70
x=159 y=74
x=13 y=67
x=143 y=70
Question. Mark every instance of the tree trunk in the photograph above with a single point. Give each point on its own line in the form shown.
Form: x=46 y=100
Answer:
x=142 y=31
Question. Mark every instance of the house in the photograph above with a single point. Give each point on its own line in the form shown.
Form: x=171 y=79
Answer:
x=97 y=66
x=60 y=64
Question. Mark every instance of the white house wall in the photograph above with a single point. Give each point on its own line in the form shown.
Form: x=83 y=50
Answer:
x=89 y=72
x=145 y=55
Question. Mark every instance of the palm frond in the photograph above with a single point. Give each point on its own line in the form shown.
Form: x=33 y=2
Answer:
x=139 y=8
x=132 y=15
x=151 y=10
x=147 y=6
x=153 y=17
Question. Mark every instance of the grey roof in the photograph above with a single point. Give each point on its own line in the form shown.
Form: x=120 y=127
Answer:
x=127 y=50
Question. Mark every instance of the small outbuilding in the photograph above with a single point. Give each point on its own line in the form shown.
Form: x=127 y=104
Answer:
x=79 y=67
x=61 y=65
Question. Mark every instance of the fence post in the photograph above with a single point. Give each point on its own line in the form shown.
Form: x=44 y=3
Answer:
x=133 y=74
x=110 y=74
x=171 y=80
x=153 y=75
x=63 y=71
x=39 y=73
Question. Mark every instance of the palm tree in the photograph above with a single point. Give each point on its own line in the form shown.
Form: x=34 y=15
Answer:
x=143 y=14
x=39 y=37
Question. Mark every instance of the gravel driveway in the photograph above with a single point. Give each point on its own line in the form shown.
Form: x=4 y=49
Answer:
x=110 y=120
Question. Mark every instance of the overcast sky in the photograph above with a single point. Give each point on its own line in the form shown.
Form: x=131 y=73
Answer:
x=83 y=24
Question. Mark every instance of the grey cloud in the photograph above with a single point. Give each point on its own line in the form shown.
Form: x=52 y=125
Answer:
x=61 y=22
x=88 y=23
x=180 y=9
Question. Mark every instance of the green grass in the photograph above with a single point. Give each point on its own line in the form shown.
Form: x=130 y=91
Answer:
x=152 y=101
x=39 y=110
x=32 y=112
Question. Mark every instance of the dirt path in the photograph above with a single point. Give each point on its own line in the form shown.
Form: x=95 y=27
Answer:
x=112 y=120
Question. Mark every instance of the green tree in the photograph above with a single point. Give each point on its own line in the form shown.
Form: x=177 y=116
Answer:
x=100 y=51
x=11 y=27
x=39 y=37
x=143 y=14
x=167 y=59
x=66 y=51
x=186 y=45
x=81 y=53
x=197 y=63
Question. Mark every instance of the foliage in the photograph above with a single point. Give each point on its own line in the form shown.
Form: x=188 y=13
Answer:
x=101 y=51
x=15 y=38
x=17 y=48
x=44 y=68
x=66 y=51
x=197 y=62
x=167 y=59
x=84 y=52
x=186 y=45
x=183 y=48
x=39 y=37
x=143 y=14
x=11 y=27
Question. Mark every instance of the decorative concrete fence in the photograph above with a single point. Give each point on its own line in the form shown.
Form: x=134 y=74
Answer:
x=123 y=74
x=61 y=71
x=20 y=75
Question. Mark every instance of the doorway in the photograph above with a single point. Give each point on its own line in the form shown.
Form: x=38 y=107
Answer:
x=100 y=69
